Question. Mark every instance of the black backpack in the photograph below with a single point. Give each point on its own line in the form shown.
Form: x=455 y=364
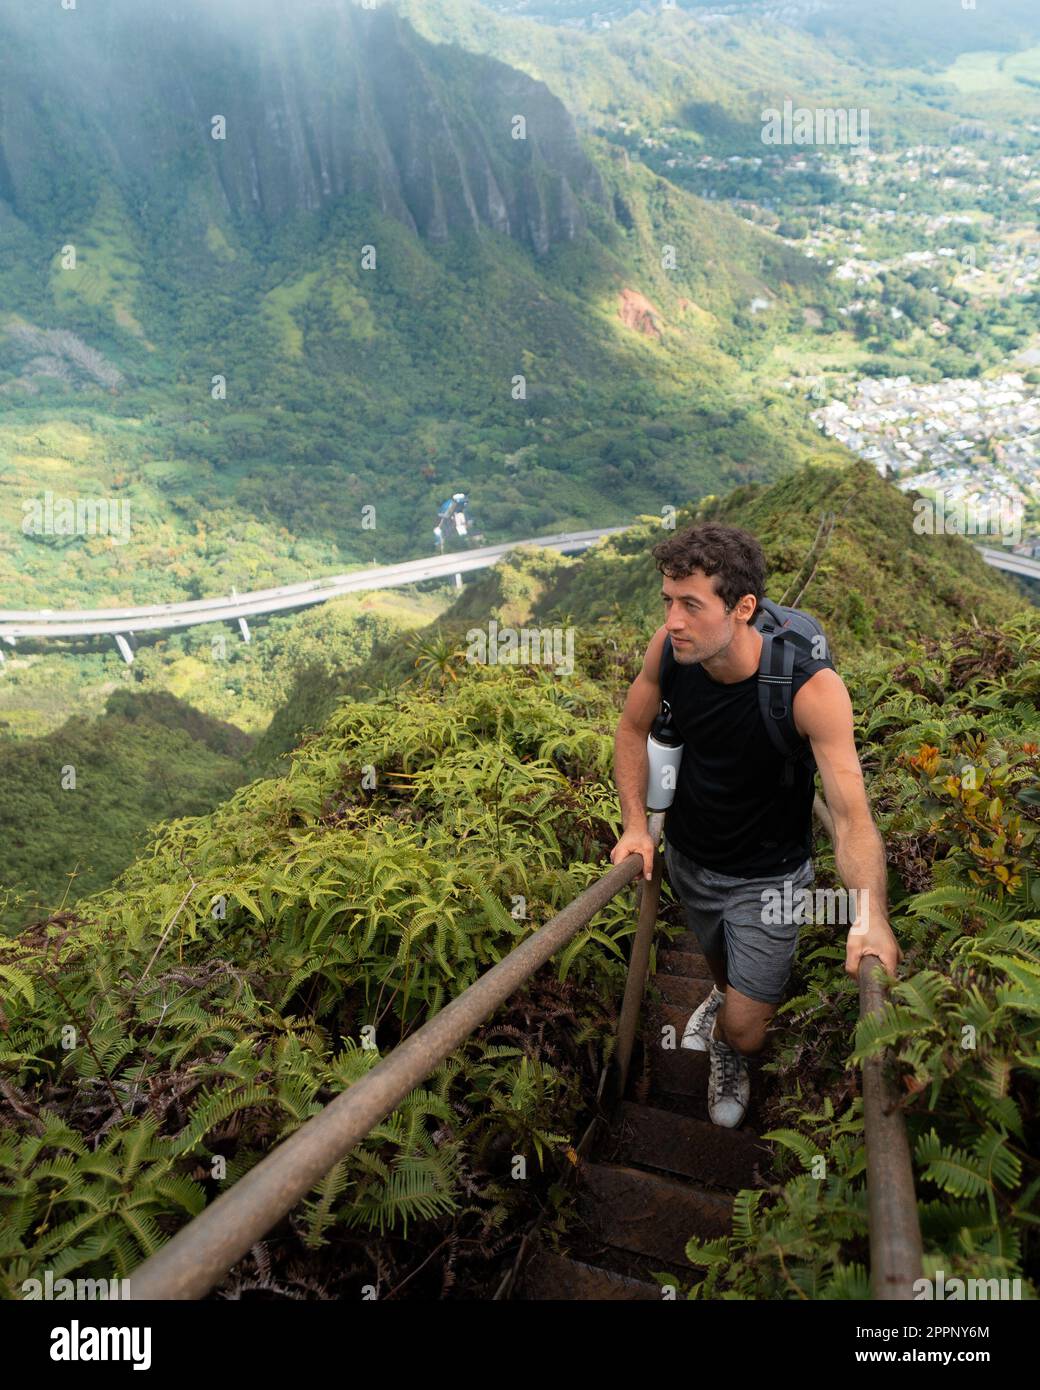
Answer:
x=785 y=632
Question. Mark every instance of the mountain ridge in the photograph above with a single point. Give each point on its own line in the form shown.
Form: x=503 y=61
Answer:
x=343 y=102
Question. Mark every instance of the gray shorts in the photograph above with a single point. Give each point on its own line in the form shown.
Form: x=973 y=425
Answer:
x=752 y=923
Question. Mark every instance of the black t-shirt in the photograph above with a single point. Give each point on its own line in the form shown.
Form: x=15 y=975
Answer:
x=731 y=812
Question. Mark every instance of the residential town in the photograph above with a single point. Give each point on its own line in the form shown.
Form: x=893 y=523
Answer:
x=948 y=234
x=981 y=194
x=976 y=441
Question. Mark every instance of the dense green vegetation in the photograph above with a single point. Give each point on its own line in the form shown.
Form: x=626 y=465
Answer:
x=270 y=484
x=78 y=803
x=208 y=666
x=875 y=583
x=169 y=736
x=229 y=975
x=217 y=994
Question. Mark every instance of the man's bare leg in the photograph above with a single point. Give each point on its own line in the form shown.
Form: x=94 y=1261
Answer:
x=741 y=1022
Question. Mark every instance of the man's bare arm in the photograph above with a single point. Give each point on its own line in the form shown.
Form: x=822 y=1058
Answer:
x=823 y=714
x=630 y=761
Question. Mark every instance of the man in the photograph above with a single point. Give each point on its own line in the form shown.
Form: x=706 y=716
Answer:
x=737 y=831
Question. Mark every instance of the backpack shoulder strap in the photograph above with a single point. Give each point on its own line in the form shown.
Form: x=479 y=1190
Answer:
x=667 y=665
x=776 y=691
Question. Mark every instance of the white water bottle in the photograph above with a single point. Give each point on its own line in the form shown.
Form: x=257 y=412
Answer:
x=664 y=750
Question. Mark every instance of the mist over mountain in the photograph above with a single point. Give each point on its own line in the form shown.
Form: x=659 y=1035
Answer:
x=319 y=101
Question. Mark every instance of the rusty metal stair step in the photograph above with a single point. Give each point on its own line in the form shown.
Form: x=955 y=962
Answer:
x=688 y=1147
x=550 y=1276
x=683 y=1071
x=648 y=1213
x=682 y=940
x=687 y=964
x=686 y=941
x=682 y=989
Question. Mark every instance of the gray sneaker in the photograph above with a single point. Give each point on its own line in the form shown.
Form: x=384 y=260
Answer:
x=729 y=1085
x=701 y=1021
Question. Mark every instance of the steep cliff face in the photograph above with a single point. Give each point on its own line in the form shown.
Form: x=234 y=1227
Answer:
x=321 y=101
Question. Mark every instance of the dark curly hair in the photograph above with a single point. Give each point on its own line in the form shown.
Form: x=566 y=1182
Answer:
x=735 y=556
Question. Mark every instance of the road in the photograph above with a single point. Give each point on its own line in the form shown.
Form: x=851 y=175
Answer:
x=96 y=622
x=121 y=622
x=1014 y=564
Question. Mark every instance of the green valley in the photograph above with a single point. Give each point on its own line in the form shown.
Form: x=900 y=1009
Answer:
x=284 y=288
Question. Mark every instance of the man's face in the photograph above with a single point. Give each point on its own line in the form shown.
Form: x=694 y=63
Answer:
x=696 y=618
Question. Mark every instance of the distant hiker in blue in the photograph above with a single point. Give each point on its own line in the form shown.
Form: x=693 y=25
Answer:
x=757 y=706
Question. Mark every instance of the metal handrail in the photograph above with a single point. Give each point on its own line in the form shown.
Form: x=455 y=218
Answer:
x=893 y=1228
x=196 y=1258
x=193 y=1260
x=649 y=895
x=894 y=1231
